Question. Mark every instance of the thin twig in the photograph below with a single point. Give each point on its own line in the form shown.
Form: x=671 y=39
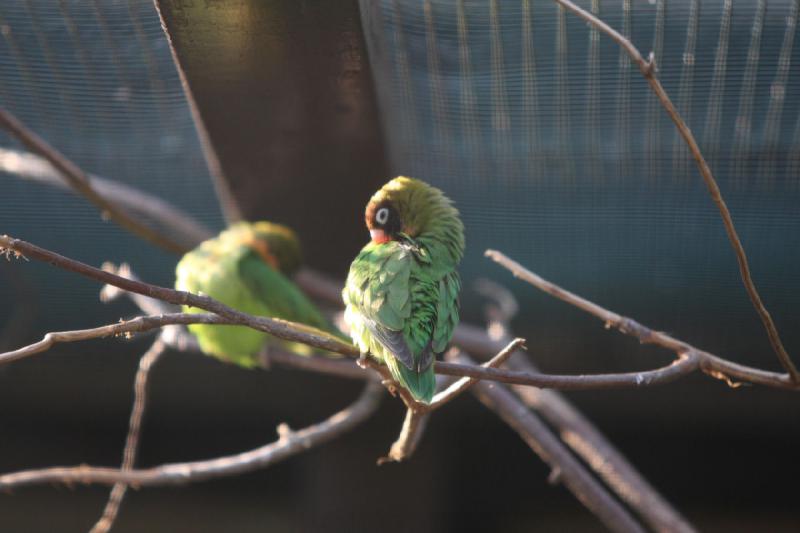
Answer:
x=565 y=466
x=648 y=70
x=148 y=360
x=78 y=179
x=691 y=357
x=288 y=444
x=463 y=384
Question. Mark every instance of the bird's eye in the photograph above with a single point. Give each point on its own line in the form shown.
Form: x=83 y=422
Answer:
x=382 y=216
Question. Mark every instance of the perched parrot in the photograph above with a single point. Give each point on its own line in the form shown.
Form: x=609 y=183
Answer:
x=247 y=267
x=402 y=289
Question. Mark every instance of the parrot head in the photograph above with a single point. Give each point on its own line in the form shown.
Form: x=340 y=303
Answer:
x=410 y=208
x=277 y=245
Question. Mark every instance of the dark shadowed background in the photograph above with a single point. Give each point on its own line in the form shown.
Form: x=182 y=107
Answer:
x=556 y=154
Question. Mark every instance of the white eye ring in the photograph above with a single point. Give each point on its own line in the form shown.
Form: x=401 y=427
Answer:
x=382 y=216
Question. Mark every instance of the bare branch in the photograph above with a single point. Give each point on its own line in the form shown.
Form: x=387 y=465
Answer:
x=566 y=467
x=582 y=436
x=148 y=360
x=417 y=413
x=298 y=332
x=679 y=367
x=577 y=432
x=78 y=179
x=411 y=433
x=710 y=364
x=181 y=227
x=290 y=443
x=648 y=70
x=463 y=384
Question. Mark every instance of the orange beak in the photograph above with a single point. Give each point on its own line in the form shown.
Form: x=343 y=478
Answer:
x=379 y=236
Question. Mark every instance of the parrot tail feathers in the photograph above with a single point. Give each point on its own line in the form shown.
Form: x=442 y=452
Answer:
x=421 y=385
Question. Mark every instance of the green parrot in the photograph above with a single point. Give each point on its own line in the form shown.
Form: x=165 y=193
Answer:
x=248 y=267
x=402 y=289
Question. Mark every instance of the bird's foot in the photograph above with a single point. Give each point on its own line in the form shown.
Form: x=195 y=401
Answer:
x=362 y=361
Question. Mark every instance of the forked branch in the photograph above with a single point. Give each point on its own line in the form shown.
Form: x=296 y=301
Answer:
x=649 y=71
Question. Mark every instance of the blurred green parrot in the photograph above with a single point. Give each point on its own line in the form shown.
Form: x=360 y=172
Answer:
x=402 y=289
x=248 y=267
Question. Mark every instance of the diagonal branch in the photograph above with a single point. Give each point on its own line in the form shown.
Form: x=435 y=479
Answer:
x=148 y=360
x=169 y=218
x=288 y=444
x=79 y=180
x=710 y=364
x=648 y=70
x=552 y=451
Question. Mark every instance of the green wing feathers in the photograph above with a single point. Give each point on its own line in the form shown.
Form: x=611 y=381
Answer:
x=400 y=313
x=228 y=269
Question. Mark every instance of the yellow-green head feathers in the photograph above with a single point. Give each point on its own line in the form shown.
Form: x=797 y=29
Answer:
x=410 y=207
x=274 y=243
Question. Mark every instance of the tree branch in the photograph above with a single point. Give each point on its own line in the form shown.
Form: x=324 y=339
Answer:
x=648 y=70
x=289 y=443
x=181 y=227
x=80 y=181
x=566 y=467
x=296 y=332
x=710 y=364
x=148 y=360
x=417 y=413
x=577 y=432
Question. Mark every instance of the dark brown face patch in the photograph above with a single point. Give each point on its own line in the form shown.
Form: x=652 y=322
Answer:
x=383 y=216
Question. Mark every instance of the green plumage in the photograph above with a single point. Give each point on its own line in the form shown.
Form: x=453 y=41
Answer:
x=238 y=268
x=402 y=294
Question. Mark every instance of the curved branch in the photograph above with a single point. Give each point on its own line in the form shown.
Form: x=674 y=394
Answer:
x=290 y=443
x=648 y=70
x=710 y=364
x=184 y=229
x=80 y=181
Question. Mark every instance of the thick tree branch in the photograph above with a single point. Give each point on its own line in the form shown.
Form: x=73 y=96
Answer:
x=576 y=431
x=148 y=360
x=648 y=70
x=566 y=467
x=290 y=443
x=78 y=179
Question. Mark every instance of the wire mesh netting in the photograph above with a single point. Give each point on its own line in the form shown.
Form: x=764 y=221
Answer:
x=95 y=79
x=558 y=153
